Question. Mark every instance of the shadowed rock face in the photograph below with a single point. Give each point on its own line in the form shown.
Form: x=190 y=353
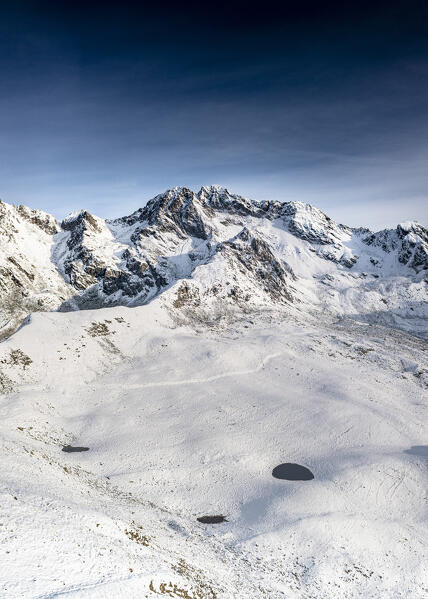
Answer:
x=292 y=472
x=255 y=256
x=176 y=211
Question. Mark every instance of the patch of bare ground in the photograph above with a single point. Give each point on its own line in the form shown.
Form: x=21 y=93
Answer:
x=172 y=590
x=135 y=534
x=17 y=358
x=197 y=579
x=99 y=329
x=187 y=294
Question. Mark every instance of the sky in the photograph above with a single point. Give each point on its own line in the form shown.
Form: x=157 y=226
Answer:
x=103 y=105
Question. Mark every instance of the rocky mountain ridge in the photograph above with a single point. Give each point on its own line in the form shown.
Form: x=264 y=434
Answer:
x=211 y=254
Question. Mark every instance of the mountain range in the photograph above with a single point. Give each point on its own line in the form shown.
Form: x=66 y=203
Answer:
x=210 y=255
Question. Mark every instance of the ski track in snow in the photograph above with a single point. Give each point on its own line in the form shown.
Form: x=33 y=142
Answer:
x=86 y=590
x=209 y=379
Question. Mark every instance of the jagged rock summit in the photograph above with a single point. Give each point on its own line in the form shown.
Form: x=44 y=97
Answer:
x=211 y=254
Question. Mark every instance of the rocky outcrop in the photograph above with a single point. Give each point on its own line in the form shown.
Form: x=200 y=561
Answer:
x=221 y=200
x=177 y=211
x=44 y=221
x=309 y=223
x=29 y=280
x=256 y=261
x=409 y=241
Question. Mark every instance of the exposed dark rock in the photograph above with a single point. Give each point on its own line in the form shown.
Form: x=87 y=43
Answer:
x=409 y=240
x=45 y=222
x=254 y=254
x=292 y=472
x=187 y=294
x=176 y=211
x=212 y=519
x=348 y=260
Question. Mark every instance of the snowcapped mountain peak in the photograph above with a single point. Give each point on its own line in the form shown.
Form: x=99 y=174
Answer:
x=220 y=199
x=214 y=196
x=410 y=225
x=81 y=218
x=409 y=242
x=208 y=192
x=310 y=223
x=46 y=222
x=213 y=188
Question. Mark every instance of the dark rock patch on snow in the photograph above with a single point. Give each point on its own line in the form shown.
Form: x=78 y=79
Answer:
x=292 y=472
x=71 y=449
x=211 y=519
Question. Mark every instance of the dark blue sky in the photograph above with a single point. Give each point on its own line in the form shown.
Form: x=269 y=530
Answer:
x=105 y=104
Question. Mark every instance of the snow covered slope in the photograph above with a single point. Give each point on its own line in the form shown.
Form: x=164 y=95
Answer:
x=180 y=423
x=223 y=254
